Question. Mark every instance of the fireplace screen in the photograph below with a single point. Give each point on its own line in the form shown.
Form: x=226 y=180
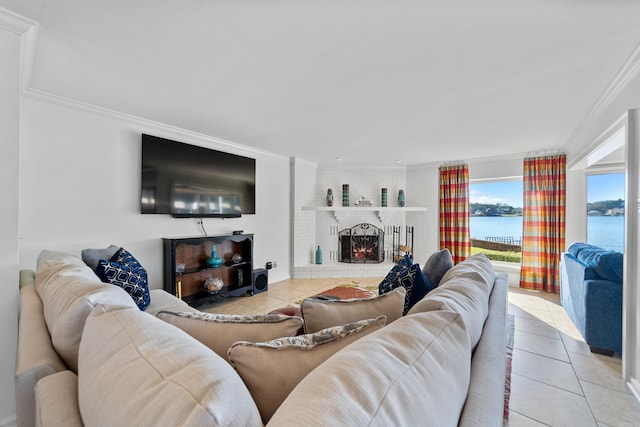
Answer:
x=361 y=243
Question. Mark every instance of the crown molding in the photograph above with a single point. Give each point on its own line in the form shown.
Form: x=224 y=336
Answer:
x=627 y=73
x=146 y=125
x=15 y=23
x=27 y=30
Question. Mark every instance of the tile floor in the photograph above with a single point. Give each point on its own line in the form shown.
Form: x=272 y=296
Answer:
x=556 y=380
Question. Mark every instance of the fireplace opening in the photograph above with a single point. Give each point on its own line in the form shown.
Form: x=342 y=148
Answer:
x=362 y=243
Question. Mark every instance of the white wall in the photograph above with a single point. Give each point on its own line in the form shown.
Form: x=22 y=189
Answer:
x=9 y=152
x=303 y=227
x=80 y=187
x=423 y=189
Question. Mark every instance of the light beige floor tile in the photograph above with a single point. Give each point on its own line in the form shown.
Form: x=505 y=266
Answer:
x=574 y=344
x=535 y=326
x=538 y=344
x=598 y=370
x=519 y=420
x=566 y=326
x=612 y=407
x=549 y=405
x=528 y=313
x=528 y=300
x=545 y=370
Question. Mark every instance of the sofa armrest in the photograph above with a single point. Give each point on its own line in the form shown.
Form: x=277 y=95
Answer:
x=603 y=314
x=485 y=400
x=57 y=401
x=27 y=278
x=162 y=300
x=36 y=357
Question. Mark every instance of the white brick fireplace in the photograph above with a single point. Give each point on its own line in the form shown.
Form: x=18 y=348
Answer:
x=314 y=223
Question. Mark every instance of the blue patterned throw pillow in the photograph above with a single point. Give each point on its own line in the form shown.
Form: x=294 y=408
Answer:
x=398 y=271
x=409 y=276
x=124 y=270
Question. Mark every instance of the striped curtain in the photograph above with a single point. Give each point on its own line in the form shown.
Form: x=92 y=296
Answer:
x=454 y=211
x=543 y=222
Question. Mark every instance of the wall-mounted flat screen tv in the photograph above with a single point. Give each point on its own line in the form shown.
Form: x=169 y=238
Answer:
x=185 y=180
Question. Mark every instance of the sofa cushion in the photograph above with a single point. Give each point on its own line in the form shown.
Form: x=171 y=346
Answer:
x=91 y=257
x=272 y=369
x=414 y=372
x=438 y=263
x=69 y=291
x=606 y=264
x=124 y=270
x=135 y=369
x=464 y=289
x=219 y=331
x=410 y=277
x=575 y=248
x=477 y=267
x=320 y=314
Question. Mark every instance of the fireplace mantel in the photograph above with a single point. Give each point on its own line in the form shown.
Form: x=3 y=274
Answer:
x=342 y=212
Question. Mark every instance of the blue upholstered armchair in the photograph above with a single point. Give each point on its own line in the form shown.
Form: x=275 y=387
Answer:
x=591 y=294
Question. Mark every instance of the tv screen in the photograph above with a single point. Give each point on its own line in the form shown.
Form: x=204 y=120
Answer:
x=185 y=180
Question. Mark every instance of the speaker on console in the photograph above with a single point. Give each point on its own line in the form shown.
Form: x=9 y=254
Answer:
x=260 y=280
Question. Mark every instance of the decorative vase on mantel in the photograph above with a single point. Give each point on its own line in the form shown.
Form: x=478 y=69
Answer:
x=401 y=199
x=215 y=260
x=345 y=194
x=329 y=197
x=383 y=198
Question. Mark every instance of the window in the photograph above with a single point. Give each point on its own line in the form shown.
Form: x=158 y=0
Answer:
x=605 y=211
x=496 y=219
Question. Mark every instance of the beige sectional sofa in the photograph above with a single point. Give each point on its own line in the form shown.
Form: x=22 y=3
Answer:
x=88 y=356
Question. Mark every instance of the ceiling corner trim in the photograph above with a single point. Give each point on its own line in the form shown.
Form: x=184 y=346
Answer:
x=27 y=30
x=629 y=71
x=15 y=23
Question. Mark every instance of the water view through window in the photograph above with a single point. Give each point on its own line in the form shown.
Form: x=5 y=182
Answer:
x=605 y=211
x=496 y=216
x=496 y=219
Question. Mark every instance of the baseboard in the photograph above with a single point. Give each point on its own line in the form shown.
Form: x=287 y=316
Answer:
x=9 y=422
x=634 y=386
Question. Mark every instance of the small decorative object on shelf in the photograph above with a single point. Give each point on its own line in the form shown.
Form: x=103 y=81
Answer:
x=345 y=194
x=362 y=201
x=213 y=284
x=236 y=258
x=329 y=197
x=383 y=198
x=214 y=261
x=401 y=199
x=318 y=255
x=180 y=267
x=240 y=277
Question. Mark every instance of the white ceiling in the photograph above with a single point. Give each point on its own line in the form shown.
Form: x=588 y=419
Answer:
x=369 y=81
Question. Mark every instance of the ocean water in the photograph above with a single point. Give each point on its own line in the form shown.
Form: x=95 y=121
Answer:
x=603 y=231
x=606 y=232
x=482 y=227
